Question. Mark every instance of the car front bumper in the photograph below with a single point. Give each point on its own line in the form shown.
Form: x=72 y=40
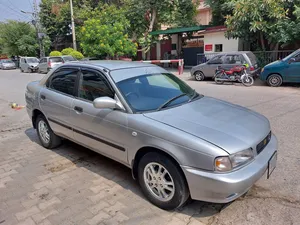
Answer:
x=226 y=187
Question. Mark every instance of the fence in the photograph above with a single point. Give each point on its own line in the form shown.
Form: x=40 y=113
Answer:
x=263 y=57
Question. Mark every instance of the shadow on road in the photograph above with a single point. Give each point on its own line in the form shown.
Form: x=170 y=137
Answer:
x=118 y=173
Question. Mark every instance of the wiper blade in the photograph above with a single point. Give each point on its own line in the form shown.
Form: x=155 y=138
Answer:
x=169 y=101
x=194 y=95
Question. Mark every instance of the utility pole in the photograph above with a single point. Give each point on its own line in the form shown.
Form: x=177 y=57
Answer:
x=73 y=26
x=36 y=23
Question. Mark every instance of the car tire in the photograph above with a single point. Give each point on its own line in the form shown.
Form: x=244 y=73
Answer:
x=274 y=80
x=199 y=76
x=166 y=196
x=46 y=135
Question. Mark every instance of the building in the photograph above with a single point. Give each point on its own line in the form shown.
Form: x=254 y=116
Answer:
x=206 y=40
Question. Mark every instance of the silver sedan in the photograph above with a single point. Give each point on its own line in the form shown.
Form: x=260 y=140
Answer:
x=178 y=143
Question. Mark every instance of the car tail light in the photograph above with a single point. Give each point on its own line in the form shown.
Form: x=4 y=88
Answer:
x=49 y=64
x=252 y=68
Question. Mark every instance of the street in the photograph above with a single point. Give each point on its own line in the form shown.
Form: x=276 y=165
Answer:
x=73 y=185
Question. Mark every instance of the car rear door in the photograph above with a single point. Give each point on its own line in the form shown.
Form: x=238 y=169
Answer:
x=56 y=99
x=103 y=130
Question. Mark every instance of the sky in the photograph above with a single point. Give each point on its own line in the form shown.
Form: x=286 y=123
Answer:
x=11 y=9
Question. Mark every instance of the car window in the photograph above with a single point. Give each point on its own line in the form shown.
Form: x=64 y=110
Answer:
x=93 y=85
x=56 y=60
x=166 y=82
x=217 y=59
x=252 y=58
x=232 y=59
x=43 y=60
x=64 y=81
x=297 y=58
x=68 y=58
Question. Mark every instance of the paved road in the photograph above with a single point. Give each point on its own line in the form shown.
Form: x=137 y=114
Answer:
x=73 y=185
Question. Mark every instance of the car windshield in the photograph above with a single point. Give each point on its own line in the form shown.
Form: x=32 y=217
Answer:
x=68 y=58
x=6 y=61
x=32 y=60
x=291 y=55
x=155 y=91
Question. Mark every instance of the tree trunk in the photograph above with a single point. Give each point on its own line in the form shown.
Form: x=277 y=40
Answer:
x=262 y=41
x=152 y=22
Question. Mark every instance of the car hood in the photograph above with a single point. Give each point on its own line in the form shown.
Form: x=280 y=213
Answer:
x=230 y=127
x=33 y=64
x=275 y=63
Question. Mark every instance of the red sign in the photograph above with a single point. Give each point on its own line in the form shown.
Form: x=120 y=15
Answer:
x=208 y=48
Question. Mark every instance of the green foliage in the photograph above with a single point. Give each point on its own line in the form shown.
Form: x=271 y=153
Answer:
x=18 y=38
x=219 y=11
x=260 y=20
x=106 y=35
x=55 y=53
x=67 y=51
x=76 y=54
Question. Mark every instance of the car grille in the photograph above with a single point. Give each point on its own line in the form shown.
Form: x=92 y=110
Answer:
x=263 y=143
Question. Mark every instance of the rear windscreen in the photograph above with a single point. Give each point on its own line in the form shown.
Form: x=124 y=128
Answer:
x=252 y=58
x=68 y=58
x=56 y=60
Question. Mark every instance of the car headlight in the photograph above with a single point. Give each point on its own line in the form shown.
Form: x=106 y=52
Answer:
x=227 y=163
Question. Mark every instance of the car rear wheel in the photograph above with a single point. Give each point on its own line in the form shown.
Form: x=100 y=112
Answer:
x=199 y=76
x=162 y=182
x=46 y=135
x=274 y=80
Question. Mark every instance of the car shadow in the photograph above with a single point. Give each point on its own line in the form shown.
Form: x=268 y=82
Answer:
x=119 y=174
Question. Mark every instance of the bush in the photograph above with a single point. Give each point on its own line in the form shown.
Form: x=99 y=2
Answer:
x=77 y=55
x=55 y=53
x=67 y=51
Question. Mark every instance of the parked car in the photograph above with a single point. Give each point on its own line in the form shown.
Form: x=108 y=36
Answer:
x=29 y=64
x=226 y=61
x=177 y=142
x=7 y=64
x=48 y=63
x=285 y=70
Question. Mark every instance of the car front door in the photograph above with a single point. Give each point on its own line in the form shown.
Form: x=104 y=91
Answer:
x=211 y=65
x=103 y=130
x=43 y=65
x=293 y=69
x=56 y=100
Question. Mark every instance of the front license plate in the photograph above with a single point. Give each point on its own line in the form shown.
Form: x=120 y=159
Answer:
x=272 y=164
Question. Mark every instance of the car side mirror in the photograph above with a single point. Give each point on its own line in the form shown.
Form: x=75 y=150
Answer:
x=291 y=60
x=107 y=103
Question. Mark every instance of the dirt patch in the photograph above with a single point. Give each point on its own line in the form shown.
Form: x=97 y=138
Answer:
x=61 y=167
x=43 y=196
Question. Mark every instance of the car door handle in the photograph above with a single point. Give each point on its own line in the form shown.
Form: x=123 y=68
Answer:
x=43 y=97
x=78 y=109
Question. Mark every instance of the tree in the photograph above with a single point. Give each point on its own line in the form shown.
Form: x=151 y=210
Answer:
x=147 y=15
x=106 y=35
x=18 y=38
x=271 y=22
x=219 y=11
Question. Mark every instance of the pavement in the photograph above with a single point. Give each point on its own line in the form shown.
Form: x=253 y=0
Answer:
x=73 y=185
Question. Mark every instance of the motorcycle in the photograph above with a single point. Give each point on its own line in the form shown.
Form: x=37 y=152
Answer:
x=237 y=73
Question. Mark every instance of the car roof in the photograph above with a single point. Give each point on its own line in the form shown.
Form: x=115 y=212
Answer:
x=234 y=52
x=112 y=64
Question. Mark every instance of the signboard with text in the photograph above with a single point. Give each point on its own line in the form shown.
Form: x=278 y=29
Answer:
x=208 y=48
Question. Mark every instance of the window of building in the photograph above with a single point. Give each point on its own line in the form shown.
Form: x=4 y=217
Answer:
x=218 y=48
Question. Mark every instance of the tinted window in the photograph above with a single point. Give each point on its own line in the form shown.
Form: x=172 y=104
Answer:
x=217 y=59
x=43 y=60
x=64 y=81
x=252 y=58
x=151 y=91
x=56 y=60
x=93 y=85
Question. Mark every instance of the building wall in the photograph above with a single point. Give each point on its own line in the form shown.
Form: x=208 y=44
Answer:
x=217 y=38
x=204 y=14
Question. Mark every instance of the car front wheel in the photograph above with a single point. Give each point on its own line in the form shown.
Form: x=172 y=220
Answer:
x=46 y=135
x=162 y=182
x=274 y=80
x=199 y=76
